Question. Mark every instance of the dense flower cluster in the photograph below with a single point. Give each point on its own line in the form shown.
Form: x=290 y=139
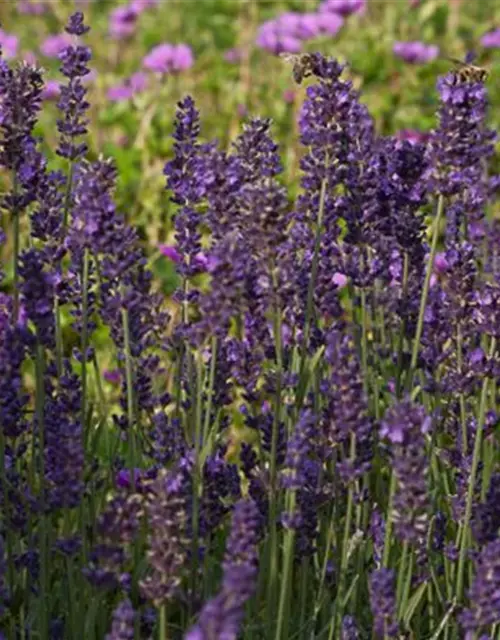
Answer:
x=316 y=420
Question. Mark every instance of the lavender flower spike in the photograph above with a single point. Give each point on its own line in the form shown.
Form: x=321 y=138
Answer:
x=383 y=603
x=123 y=622
x=222 y=616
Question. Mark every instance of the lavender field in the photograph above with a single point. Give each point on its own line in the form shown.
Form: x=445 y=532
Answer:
x=250 y=320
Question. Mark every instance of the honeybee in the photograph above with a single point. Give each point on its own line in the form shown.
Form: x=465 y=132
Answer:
x=465 y=72
x=303 y=65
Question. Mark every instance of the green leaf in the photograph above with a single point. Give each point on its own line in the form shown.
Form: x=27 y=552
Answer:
x=413 y=603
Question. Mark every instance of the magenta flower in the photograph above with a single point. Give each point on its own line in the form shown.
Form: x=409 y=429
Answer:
x=412 y=135
x=119 y=93
x=491 y=40
x=201 y=260
x=51 y=90
x=233 y=55
x=137 y=83
x=308 y=26
x=343 y=7
x=9 y=44
x=141 y=5
x=122 y=22
x=329 y=23
x=159 y=58
x=182 y=58
x=270 y=39
x=170 y=252
x=440 y=262
x=31 y=7
x=339 y=280
x=30 y=58
x=169 y=58
x=289 y=96
x=415 y=52
x=89 y=78
x=52 y=46
x=113 y=376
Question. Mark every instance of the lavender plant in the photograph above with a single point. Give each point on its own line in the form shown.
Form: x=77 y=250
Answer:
x=305 y=444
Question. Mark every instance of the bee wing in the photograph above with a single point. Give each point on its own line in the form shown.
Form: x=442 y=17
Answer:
x=289 y=57
x=461 y=63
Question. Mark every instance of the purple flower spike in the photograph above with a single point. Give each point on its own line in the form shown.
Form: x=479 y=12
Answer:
x=76 y=25
x=122 y=627
x=123 y=479
x=484 y=594
x=383 y=603
x=415 y=52
x=405 y=426
x=222 y=616
x=491 y=40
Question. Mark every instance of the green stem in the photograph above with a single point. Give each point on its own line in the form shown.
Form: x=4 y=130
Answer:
x=163 y=623
x=196 y=479
x=100 y=392
x=286 y=578
x=17 y=243
x=129 y=375
x=210 y=391
x=463 y=418
x=310 y=297
x=402 y=574
x=59 y=338
x=472 y=481
x=388 y=525
x=5 y=516
x=364 y=341
x=402 y=331
x=336 y=622
x=84 y=339
x=273 y=546
x=67 y=195
x=319 y=596
x=425 y=293
x=44 y=521
x=304 y=574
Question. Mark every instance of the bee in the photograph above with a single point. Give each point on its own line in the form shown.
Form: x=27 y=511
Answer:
x=303 y=65
x=466 y=73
